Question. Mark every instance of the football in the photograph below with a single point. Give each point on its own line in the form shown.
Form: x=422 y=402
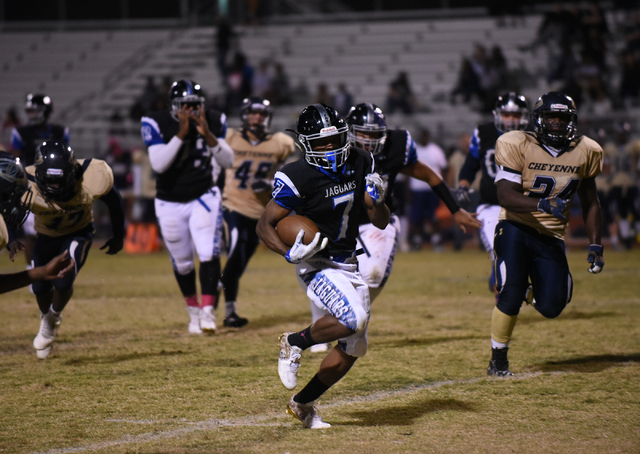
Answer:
x=289 y=227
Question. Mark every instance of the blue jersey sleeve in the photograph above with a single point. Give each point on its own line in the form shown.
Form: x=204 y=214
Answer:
x=151 y=132
x=285 y=192
x=16 y=140
x=474 y=144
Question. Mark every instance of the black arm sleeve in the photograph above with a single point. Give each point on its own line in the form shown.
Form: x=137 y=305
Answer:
x=469 y=168
x=443 y=192
x=114 y=202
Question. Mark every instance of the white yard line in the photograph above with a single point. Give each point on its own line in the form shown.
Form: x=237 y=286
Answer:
x=260 y=421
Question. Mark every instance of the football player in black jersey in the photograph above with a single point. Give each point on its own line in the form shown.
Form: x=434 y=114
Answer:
x=24 y=142
x=511 y=113
x=538 y=175
x=394 y=152
x=333 y=184
x=13 y=187
x=187 y=150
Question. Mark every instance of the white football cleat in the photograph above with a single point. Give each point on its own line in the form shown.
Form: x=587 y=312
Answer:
x=320 y=348
x=288 y=362
x=194 y=320
x=307 y=414
x=42 y=354
x=49 y=323
x=208 y=320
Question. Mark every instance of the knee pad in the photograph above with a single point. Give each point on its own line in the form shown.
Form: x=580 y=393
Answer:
x=550 y=310
x=183 y=267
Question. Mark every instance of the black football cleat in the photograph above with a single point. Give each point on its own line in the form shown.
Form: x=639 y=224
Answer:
x=235 y=321
x=499 y=364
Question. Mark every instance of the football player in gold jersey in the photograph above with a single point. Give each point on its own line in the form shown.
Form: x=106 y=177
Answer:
x=258 y=154
x=64 y=189
x=538 y=174
x=13 y=186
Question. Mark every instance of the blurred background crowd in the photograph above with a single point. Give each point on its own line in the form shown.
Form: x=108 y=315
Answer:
x=291 y=54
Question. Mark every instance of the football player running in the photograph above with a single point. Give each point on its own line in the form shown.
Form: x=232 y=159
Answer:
x=13 y=187
x=187 y=150
x=64 y=189
x=247 y=190
x=331 y=185
x=394 y=152
x=24 y=142
x=538 y=174
x=511 y=113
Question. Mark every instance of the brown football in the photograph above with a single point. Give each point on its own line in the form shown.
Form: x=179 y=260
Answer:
x=289 y=227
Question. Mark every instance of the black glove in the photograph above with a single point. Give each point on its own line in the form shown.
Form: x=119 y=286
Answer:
x=114 y=244
x=462 y=195
x=595 y=258
x=553 y=206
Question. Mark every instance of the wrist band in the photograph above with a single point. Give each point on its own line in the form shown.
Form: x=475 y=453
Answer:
x=443 y=192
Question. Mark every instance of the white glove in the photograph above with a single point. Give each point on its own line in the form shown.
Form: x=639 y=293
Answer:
x=375 y=187
x=300 y=252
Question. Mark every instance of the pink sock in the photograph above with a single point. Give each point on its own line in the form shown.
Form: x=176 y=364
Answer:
x=208 y=300
x=192 y=301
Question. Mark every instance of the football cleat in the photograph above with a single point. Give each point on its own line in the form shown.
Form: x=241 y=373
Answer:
x=499 y=364
x=194 y=320
x=320 y=348
x=307 y=414
x=288 y=362
x=42 y=354
x=49 y=323
x=208 y=320
x=235 y=321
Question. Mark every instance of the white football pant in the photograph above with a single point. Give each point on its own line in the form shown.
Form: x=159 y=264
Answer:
x=488 y=214
x=341 y=292
x=192 y=225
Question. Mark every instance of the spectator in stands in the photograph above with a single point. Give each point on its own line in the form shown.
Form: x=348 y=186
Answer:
x=424 y=201
x=556 y=28
x=494 y=77
x=467 y=85
x=401 y=95
x=239 y=82
x=224 y=37
x=342 y=100
x=280 y=87
x=263 y=80
x=11 y=121
x=629 y=89
x=322 y=95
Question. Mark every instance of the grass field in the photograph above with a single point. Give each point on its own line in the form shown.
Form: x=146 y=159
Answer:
x=126 y=377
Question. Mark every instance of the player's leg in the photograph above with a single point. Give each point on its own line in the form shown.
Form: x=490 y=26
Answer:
x=550 y=276
x=243 y=242
x=378 y=254
x=512 y=266
x=339 y=360
x=205 y=225
x=488 y=215
x=173 y=219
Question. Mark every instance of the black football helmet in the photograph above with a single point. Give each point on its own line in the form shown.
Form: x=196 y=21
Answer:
x=555 y=119
x=56 y=170
x=185 y=92
x=367 y=118
x=513 y=103
x=13 y=186
x=256 y=104
x=318 y=126
x=38 y=108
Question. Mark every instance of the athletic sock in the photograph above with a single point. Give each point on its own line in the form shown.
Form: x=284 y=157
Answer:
x=208 y=300
x=302 y=339
x=314 y=389
x=192 y=301
x=229 y=308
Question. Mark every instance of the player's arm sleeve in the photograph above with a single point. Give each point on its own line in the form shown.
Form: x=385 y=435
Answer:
x=222 y=153
x=114 y=203
x=509 y=161
x=285 y=192
x=161 y=154
x=595 y=162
